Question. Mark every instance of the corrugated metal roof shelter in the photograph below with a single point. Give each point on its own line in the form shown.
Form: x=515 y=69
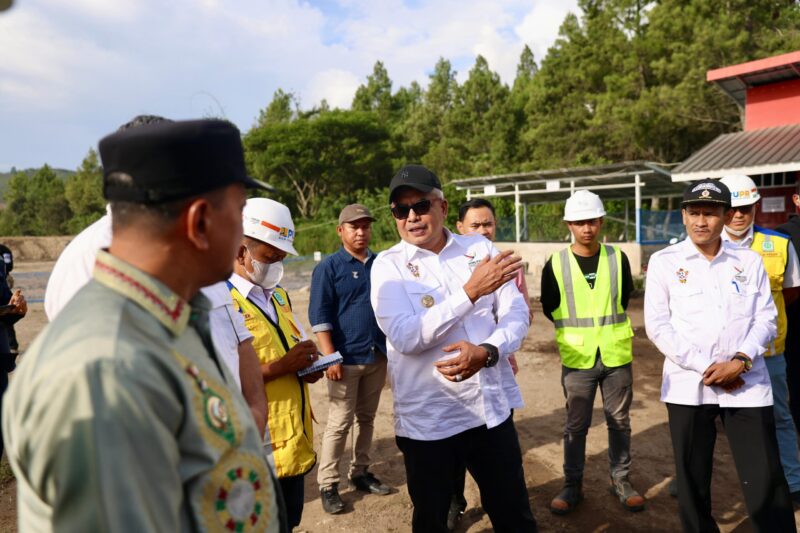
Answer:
x=763 y=151
x=556 y=185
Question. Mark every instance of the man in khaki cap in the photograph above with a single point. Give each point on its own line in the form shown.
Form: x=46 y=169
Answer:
x=342 y=318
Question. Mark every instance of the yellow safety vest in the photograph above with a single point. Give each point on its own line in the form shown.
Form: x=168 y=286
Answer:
x=774 y=250
x=588 y=319
x=288 y=401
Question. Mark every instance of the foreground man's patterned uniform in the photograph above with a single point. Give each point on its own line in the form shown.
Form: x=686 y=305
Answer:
x=122 y=418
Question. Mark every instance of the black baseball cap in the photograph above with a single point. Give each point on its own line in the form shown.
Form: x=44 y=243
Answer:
x=415 y=176
x=172 y=160
x=707 y=191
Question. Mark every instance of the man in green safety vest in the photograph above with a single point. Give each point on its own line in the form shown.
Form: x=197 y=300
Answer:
x=585 y=291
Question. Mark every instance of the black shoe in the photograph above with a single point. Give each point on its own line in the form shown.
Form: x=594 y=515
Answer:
x=457 y=508
x=369 y=483
x=331 y=501
x=672 y=488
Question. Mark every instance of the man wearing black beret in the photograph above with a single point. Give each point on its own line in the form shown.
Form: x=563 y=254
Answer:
x=708 y=308
x=122 y=417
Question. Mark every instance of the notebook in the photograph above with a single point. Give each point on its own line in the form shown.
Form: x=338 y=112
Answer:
x=322 y=363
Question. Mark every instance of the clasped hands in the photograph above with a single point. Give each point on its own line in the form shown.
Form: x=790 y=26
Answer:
x=726 y=374
x=465 y=365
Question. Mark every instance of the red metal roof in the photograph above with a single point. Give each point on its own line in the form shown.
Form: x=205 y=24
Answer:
x=752 y=67
x=735 y=80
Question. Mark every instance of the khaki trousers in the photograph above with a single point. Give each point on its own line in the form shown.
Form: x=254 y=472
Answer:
x=355 y=396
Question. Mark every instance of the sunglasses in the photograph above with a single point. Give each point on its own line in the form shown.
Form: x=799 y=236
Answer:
x=401 y=211
x=744 y=209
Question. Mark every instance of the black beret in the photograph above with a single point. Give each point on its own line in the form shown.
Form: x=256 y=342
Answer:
x=171 y=160
x=707 y=191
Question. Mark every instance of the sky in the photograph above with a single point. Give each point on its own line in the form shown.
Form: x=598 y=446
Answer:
x=73 y=71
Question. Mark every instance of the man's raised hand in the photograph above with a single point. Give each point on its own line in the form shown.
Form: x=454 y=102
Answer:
x=491 y=274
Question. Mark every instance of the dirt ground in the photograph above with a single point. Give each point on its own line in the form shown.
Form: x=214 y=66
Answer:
x=539 y=425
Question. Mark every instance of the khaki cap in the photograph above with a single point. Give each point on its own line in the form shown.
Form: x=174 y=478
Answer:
x=354 y=212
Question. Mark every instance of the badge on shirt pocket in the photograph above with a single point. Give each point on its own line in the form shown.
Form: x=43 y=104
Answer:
x=213 y=407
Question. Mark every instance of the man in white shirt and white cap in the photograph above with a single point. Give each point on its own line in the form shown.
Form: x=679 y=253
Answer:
x=452 y=316
x=783 y=271
x=709 y=310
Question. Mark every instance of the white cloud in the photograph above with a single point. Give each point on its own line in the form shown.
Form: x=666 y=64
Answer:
x=84 y=66
x=105 y=10
x=335 y=85
x=47 y=73
x=540 y=26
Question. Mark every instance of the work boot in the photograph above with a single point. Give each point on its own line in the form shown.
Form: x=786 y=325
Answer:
x=630 y=499
x=331 y=501
x=369 y=483
x=569 y=498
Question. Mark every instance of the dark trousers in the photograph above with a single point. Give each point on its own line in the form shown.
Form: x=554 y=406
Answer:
x=293 y=497
x=493 y=458
x=3 y=387
x=580 y=388
x=792 y=356
x=751 y=434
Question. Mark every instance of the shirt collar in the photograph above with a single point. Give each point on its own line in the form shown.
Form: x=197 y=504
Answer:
x=242 y=284
x=744 y=242
x=148 y=292
x=245 y=286
x=413 y=250
x=690 y=250
x=347 y=256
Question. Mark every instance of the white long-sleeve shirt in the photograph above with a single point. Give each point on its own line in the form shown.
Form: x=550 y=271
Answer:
x=421 y=306
x=73 y=270
x=699 y=312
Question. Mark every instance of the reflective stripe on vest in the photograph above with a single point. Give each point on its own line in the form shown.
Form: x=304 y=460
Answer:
x=774 y=252
x=613 y=272
x=589 y=319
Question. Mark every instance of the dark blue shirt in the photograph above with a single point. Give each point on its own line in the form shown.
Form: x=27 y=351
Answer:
x=340 y=303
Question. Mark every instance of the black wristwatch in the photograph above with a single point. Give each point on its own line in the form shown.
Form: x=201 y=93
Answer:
x=748 y=364
x=494 y=355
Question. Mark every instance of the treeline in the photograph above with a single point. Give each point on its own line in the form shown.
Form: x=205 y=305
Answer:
x=625 y=80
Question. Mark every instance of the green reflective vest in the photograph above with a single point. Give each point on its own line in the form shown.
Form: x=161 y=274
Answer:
x=588 y=319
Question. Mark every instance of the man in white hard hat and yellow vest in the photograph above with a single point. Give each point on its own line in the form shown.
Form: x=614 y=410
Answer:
x=780 y=262
x=585 y=291
x=279 y=341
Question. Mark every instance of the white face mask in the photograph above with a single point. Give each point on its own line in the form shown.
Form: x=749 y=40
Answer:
x=738 y=232
x=265 y=275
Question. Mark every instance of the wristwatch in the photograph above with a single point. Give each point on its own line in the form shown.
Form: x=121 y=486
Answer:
x=494 y=355
x=748 y=364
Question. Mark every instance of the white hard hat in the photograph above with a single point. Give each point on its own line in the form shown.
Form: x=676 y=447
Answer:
x=270 y=222
x=583 y=205
x=743 y=189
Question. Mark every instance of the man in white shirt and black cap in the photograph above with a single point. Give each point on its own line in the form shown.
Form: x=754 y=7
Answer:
x=452 y=316
x=709 y=310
